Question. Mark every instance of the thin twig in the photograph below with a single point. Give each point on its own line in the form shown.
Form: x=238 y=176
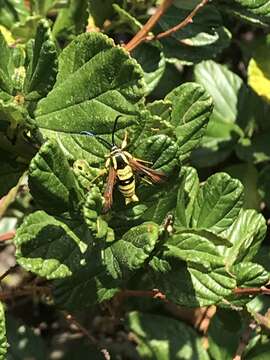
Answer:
x=252 y=291
x=155 y=294
x=7 y=236
x=72 y=320
x=181 y=25
x=26 y=290
x=6 y=273
x=143 y=32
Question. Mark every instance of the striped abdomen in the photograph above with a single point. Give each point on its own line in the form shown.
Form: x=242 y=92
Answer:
x=126 y=184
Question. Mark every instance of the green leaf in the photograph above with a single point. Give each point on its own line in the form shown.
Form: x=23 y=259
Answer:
x=218 y=203
x=104 y=271
x=194 y=248
x=254 y=150
x=126 y=20
x=249 y=274
x=152 y=60
x=255 y=11
x=131 y=252
x=204 y=38
x=6 y=66
x=191 y=109
x=51 y=247
x=73 y=106
x=92 y=214
x=41 y=71
x=186 y=197
x=24 y=343
x=263 y=185
x=191 y=284
x=3 y=339
x=12 y=11
x=234 y=110
x=52 y=182
x=158 y=338
x=246 y=235
x=71 y=20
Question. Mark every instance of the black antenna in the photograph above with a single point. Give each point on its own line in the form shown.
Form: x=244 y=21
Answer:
x=89 y=133
x=114 y=128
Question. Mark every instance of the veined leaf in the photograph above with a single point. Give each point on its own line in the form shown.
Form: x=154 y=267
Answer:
x=51 y=247
x=96 y=82
x=158 y=338
x=52 y=182
x=6 y=66
x=191 y=109
x=218 y=203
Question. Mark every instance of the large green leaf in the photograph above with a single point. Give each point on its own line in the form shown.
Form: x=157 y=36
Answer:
x=191 y=109
x=246 y=235
x=52 y=182
x=234 y=112
x=3 y=339
x=96 y=82
x=103 y=272
x=218 y=203
x=51 y=247
x=164 y=338
x=191 y=284
x=203 y=39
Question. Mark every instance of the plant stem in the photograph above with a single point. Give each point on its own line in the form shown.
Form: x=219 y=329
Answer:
x=252 y=291
x=181 y=25
x=142 y=34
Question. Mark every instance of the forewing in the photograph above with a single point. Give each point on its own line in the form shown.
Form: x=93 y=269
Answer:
x=108 y=194
x=154 y=175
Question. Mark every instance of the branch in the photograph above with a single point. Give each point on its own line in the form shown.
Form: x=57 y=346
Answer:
x=26 y=290
x=252 y=291
x=155 y=294
x=142 y=34
x=244 y=341
x=181 y=25
x=72 y=320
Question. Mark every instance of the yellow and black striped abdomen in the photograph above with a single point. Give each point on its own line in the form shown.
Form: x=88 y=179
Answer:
x=126 y=184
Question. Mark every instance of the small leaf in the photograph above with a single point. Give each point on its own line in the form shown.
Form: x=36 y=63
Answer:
x=246 y=235
x=6 y=66
x=41 y=72
x=158 y=338
x=218 y=203
x=50 y=247
x=191 y=109
x=3 y=339
x=186 y=197
x=52 y=182
x=249 y=274
x=131 y=252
